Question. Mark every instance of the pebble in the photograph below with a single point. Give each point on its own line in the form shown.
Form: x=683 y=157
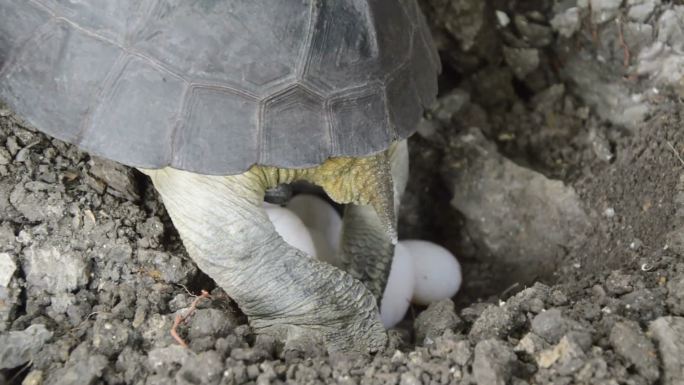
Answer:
x=566 y=357
x=641 y=10
x=119 y=179
x=493 y=362
x=550 y=325
x=619 y=283
x=634 y=347
x=567 y=23
x=79 y=371
x=675 y=294
x=7 y=269
x=669 y=334
x=18 y=347
x=531 y=344
x=604 y=10
x=50 y=269
x=164 y=360
x=435 y=320
x=522 y=61
x=211 y=323
x=203 y=368
x=110 y=336
x=496 y=322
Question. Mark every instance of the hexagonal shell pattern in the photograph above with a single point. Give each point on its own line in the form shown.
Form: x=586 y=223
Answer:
x=216 y=86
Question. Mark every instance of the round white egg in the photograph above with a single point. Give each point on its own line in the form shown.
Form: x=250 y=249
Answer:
x=400 y=286
x=291 y=228
x=437 y=271
x=317 y=214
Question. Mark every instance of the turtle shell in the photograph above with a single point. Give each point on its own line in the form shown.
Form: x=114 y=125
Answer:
x=216 y=86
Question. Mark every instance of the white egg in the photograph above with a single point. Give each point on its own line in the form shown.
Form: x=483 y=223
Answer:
x=400 y=285
x=291 y=228
x=437 y=271
x=319 y=215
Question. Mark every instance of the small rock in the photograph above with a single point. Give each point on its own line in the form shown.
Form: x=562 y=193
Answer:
x=119 y=179
x=675 y=294
x=550 y=325
x=80 y=371
x=266 y=343
x=493 y=362
x=461 y=353
x=567 y=357
x=619 y=283
x=644 y=305
x=203 y=368
x=12 y=145
x=641 y=10
x=409 y=378
x=110 y=336
x=517 y=217
x=211 y=323
x=567 y=23
x=35 y=377
x=675 y=240
x=7 y=269
x=437 y=318
x=38 y=206
x=522 y=61
x=18 y=347
x=5 y=156
x=604 y=10
x=502 y=18
x=152 y=228
x=531 y=299
x=531 y=344
x=582 y=338
x=171 y=268
x=558 y=298
x=49 y=269
x=9 y=298
x=464 y=20
x=533 y=33
x=163 y=360
x=632 y=345
x=669 y=334
x=155 y=330
x=495 y=322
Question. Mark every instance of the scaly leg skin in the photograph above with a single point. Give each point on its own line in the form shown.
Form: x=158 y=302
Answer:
x=367 y=250
x=283 y=291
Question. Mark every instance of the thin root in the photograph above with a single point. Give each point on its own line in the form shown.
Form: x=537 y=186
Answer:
x=177 y=321
x=676 y=153
x=627 y=57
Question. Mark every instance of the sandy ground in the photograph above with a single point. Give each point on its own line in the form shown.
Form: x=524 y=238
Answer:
x=560 y=185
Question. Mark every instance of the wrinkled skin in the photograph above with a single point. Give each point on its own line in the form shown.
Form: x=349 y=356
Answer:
x=283 y=291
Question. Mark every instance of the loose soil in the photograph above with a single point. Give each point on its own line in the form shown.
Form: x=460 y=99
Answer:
x=577 y=279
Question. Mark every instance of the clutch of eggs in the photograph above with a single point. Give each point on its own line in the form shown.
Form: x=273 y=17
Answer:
x=422 y=272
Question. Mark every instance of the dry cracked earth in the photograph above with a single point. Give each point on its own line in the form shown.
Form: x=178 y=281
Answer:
x=552 y=166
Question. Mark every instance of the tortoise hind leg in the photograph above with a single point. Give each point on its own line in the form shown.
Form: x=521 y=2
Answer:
x=367 y=249
x=283 y=291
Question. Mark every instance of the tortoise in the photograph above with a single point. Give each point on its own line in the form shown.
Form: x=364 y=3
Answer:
x=219 y=100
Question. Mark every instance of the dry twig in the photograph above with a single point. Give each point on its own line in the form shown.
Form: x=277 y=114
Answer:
x=676 y=153
x=627 y=57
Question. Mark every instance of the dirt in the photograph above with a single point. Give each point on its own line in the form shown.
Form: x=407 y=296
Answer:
x=560 y=187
